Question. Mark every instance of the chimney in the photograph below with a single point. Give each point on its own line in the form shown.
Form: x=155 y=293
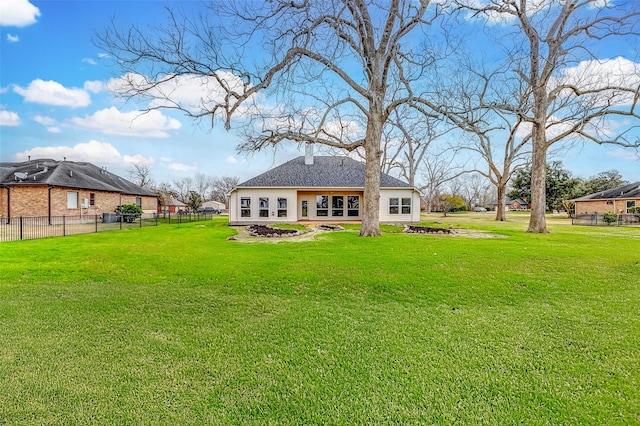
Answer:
x=308 y=154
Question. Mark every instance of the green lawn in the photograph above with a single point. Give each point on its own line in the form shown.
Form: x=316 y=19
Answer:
x=176 y=325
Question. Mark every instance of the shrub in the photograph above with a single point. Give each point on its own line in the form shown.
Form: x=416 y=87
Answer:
x=130 y=212
x=609 y=218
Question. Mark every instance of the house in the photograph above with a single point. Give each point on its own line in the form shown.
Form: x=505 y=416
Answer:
x=48 y=187
x=619 y=200
x=512 y=205
x=217 y=205
x=318 y=189
x=171 y=204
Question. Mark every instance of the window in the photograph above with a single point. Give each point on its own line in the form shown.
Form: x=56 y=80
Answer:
x=139 y=201
x=406 y=206
x=72 y=200
x=353 y=205
x=337 y=205
x=282 y=207
x=305 y=208
x=394 y=204
x=245 y=207
x=322 y=205
x=631 y=204
x=264 y=207
x=92 y=199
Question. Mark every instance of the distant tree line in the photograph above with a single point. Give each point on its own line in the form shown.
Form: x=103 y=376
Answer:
x=193 y=191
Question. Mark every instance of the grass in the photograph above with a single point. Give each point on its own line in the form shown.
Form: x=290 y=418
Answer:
x=177 y=325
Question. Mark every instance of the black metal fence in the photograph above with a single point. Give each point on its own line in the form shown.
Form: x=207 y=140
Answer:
x=601 y=220
x=33 y=227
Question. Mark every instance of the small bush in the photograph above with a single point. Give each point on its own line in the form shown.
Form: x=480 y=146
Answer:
x=130 y=212
x=609 y=218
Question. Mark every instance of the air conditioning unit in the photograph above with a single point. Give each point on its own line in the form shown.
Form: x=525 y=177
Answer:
x=85 y=203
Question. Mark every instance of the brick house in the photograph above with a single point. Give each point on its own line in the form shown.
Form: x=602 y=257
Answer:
x=48 y=187
x=618 y=200
x=512 y=205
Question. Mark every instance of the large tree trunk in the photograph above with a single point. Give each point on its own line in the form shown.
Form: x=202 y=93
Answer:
x=502 y=203
x=373 y=154
x=538 y=221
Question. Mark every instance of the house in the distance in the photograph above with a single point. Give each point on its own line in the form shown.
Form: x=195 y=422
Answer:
x=618 y=200
x=318 y=189
x=168 y=203
x=48 y=187
x=517 y=204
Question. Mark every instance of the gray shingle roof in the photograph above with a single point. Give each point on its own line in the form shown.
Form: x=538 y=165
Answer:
x=325 y=172
x=630 y=190
x=67 y=174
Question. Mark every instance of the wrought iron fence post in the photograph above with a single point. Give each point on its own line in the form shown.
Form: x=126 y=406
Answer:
x=20 y=227
x=96 y=220
x=64 y=225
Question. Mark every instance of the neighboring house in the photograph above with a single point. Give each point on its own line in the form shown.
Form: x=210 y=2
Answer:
x=215 y=204
x=171 y=204
x=512 y=205
x=319 y=189
x=59 y=188
x=619 y=200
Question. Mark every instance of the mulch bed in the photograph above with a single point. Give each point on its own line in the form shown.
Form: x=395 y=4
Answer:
x=427 y=230
x=269 y=232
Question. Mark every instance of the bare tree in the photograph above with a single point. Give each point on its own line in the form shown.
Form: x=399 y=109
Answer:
x=221 y=188
x=476 y=104
x=140 y=174
x=203 y=185
x=326 y=66
x=474 y=188
x=407 y=140
x=438 y=169
x=554 y=56
x=182 y=188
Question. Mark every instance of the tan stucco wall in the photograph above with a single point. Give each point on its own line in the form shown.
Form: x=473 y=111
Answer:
x=601 y=206
x=294 y=198
x=255 y=194
x=386 y=194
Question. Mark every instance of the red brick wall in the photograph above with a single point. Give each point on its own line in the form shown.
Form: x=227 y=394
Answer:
x=34 y=201
x=4 y=203
x=601 y=206
x=29 y=200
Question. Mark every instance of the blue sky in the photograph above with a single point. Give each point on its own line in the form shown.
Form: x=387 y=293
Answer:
x=53 y=102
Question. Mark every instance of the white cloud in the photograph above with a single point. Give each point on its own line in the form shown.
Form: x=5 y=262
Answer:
x=10 y=119
x=232 y=160
x=139 y=159
x=18 y=13
x=182 y=167
x=94 y=86
x=627 y=154
x=595 y=74
x=89 y=61
x=134 y=123
x=50 y=123
x=12 y=38
x=192 y=92
x=53 y=93
x=45 y=121
x=95 y=152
